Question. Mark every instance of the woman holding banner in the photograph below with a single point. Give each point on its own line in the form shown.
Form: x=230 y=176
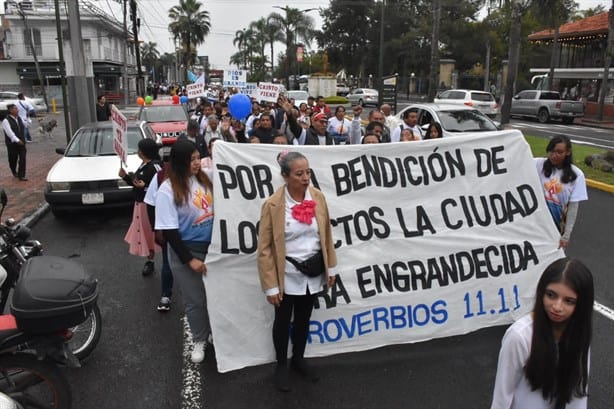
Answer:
x=544 y=357
x=295 y=265
x=564 y=185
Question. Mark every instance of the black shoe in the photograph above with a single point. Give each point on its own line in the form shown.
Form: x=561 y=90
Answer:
x=15 y=174
x=304 y=369
x=23 y=178
x=281 y=378
x=148 y=268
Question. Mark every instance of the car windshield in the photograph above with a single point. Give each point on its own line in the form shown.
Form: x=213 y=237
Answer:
x=478 y=96
x=468 y=120
x=99 y=142
x=164 y=113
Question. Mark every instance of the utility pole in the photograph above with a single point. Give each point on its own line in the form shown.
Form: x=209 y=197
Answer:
x=607 y=61
x=434 y=71
x=33 y=50
x=62 y=64
x=81 y=89
x=380 y=68
x=512 y=67
x=136 y=22
x=125 y=79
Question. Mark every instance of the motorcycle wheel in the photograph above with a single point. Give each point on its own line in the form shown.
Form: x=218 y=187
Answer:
x=34 y=384
x=86 y=335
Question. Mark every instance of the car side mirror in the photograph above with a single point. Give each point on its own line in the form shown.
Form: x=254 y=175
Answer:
x=60 y=151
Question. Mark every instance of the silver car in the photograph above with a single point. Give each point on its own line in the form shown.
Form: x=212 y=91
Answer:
x=10 y=97
x=454 y=119
x=481 y=100
x=363 y=96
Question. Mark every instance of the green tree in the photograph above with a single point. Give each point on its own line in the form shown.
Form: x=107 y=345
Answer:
x=190 y=25
x=166 y=63
x=150 y=56
x=295 y=26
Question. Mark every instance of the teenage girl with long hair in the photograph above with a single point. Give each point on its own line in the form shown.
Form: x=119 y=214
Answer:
x=184 y=214
x=564 y=185
x=544 y=357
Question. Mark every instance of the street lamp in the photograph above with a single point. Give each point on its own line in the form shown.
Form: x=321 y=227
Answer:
x=412 y=86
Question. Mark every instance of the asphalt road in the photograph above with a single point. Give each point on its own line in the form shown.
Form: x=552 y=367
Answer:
x=138 y=363
x=579 y=134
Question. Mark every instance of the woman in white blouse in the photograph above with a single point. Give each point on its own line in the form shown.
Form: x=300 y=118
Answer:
x=544 y=357
x=339 y=127
x=294 y=227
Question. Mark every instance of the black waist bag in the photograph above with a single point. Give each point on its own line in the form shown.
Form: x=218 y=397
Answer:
x=312 y=267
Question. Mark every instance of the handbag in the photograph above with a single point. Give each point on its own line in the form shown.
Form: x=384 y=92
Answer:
x=312 y=267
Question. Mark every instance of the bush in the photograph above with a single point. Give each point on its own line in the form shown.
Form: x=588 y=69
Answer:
x=336 y=100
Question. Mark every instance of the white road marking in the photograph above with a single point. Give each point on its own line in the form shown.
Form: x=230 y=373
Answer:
x=603 y=310
x=191 y=391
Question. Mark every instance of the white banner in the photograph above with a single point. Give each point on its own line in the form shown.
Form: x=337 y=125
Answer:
x=267 y=91
x=251 y=89
x=235 y=78
x=120 y=134
x=195 y=90
x=434 y=239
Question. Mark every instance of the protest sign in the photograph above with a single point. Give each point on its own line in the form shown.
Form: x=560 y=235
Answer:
x=268 y=91
x=195 y=90
x=235 y=78
x=433 y=238
x=120 y=133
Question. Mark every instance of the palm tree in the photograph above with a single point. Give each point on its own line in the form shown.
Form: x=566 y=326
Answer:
x=272 y=34
x=166 y=63
x=258 y=27
x=149 y=56
x=190 y=25
x=240 y=41
x=295 y=25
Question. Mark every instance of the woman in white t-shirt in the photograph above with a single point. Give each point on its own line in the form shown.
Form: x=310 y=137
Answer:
x=563 y=183
x=544 y=357
x=184 y=214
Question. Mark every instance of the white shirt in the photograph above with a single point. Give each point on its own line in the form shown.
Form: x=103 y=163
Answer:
x=395 y=136
x=512 y=389
x=8 y=131
x=23 y=107
x=392 y=122
x=339 y=127
x=302 y=241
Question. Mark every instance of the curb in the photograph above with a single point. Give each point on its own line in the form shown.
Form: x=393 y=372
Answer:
x=600 y=185
x=35 y=216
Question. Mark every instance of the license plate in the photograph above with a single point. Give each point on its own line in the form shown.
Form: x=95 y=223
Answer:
x=92 y=198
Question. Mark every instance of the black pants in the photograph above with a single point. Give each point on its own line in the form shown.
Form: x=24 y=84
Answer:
x=17 y=158
x=302 y=306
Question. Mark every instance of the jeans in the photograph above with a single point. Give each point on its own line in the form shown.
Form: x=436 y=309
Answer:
x=166 y=275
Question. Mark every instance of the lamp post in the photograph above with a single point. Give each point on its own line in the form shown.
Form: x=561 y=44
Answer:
x=412 y=85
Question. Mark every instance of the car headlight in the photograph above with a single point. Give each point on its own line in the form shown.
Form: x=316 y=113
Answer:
x=58 y=186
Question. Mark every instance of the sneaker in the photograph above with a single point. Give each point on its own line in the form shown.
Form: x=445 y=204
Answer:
x=165 y=304
x=198 y=352
x=148 y=268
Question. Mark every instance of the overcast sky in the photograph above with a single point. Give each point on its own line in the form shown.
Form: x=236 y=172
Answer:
x=227 y=16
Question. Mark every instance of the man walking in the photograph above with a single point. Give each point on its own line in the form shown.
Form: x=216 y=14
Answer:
x=14 y=137
x=25 y=110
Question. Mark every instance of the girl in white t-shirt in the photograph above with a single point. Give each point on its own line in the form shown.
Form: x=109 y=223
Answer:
x=184 y=214
x=544 y=357
x=563 y=183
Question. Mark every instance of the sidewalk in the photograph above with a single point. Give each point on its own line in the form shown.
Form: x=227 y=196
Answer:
x=25 y=198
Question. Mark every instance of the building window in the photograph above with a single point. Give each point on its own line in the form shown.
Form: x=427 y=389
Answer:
x=35 y=35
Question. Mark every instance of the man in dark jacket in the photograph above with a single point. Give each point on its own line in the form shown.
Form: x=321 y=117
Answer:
x=317 y=134
x=15 y=139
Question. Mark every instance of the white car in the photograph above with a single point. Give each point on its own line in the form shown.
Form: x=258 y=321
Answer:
x=300 y=97
x=481 y=100
x=454 y=119
x=10 y=97
x=87 y=175
x=363 y=96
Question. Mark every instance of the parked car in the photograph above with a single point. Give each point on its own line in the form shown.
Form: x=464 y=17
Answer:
x=168 y=120
x=299 y=96
x=454 y=119
x=363 y=96
x=481 y=100
x=545 y=105
x=87 y=174
x=10 y=97
x=342 y=89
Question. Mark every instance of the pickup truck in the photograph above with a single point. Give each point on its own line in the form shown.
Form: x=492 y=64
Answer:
x=545 y=105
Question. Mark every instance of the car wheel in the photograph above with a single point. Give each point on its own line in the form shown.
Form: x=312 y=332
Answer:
x=543 y=116
x=361 y=103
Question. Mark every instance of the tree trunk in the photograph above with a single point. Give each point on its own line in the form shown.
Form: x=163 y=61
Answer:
x=434 y=71
x=514 y=51
x=606 y=66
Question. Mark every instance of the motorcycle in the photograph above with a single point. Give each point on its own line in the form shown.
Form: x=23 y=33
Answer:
x=16 y=248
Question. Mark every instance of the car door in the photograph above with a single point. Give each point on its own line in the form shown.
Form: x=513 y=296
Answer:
x=521 y=103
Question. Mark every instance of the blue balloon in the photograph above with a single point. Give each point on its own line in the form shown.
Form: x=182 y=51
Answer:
x=240 y=106
x=183 y=99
